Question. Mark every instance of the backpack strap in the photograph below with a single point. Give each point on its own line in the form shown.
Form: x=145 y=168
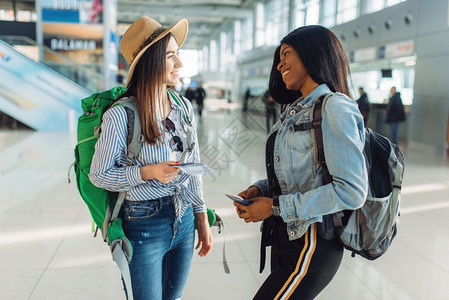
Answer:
x=121 y=250
x=135 y=143
x=317 y=135
x=119 y=255
x=135 y=136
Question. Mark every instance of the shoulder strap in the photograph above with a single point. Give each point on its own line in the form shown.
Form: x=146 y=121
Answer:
x=120 y=249
x=317 y=134
x=134 y=146
x=134 y=127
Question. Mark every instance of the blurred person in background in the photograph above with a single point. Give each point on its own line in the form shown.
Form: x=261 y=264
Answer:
x=364 y=105
x=395 y=113
x=271 y=109
x=199 y=96
x=189 y=93
x=246 y=97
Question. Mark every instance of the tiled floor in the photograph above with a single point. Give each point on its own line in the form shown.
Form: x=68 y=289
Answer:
x=47 y=250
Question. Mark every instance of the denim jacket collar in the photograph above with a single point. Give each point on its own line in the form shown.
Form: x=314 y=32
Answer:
x=309 y=100
x=313 y=96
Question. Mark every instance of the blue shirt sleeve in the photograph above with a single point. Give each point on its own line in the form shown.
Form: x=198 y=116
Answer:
x=109 y=169
x=195 y=181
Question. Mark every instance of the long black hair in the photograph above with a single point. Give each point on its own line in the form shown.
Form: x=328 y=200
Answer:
x=323 y=57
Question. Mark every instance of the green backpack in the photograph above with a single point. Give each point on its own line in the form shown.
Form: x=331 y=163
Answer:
x=88 y=132
x=104 y=205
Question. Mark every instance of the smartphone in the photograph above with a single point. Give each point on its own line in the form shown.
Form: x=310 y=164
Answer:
x=238 y=199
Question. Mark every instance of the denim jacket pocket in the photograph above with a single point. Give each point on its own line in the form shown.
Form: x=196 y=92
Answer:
x=300 y=136
x=141 y=211
x=299 y=143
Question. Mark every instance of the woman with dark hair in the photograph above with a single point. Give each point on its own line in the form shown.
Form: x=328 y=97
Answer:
x=292 y=200
x=159 y=207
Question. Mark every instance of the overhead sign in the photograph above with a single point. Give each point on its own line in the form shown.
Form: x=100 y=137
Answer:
x=399 y=49
x=72 y=11
x=74 y=28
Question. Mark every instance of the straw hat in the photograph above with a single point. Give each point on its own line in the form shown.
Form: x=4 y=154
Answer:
x=144 y=33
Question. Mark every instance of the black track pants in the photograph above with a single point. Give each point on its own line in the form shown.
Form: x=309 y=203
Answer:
x=302 y=268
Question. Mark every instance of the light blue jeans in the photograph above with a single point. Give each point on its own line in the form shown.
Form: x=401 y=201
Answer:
x=162 y=248
x=394 y=132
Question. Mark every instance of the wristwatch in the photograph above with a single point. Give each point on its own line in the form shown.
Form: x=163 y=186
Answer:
x=276 y=209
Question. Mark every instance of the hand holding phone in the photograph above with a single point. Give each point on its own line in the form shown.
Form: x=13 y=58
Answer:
x=238 y=199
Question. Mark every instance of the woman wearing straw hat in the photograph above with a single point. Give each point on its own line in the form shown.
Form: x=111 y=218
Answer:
x=160 y=205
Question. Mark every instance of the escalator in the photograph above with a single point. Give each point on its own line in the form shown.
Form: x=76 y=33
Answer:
x=35 y=94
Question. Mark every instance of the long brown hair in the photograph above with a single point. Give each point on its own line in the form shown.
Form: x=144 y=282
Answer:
x=147 y=85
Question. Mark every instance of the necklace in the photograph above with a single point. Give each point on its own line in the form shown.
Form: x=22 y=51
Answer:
x=164 y=107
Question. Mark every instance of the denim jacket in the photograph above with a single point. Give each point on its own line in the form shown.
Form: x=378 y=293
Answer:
x=305 y=198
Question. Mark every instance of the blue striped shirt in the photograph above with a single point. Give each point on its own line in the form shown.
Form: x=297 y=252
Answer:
x=110 y=170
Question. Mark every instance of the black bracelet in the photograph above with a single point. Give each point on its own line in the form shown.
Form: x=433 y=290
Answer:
x=276 y=200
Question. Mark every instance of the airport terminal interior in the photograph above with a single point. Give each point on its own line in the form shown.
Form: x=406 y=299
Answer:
x=55 y=53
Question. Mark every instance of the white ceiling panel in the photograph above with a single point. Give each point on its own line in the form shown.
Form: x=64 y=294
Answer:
x=205 y=17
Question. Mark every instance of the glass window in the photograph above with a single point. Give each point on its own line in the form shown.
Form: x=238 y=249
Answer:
x=276 y=21
x=347 y=10
x=271 y=22
x=376 y=5
x=393 y=2
x=247 y=35
x=201 y=60
x=269 y=31
x=373 y=6
x=284 y=17
x=300 y=17
x=223 y=55
x=312 y=12
x=237 y=37
x=213 y=59
x=260 y=24
x=229 y=49
x=329 y=13
x=307 y=12
x=205 y=58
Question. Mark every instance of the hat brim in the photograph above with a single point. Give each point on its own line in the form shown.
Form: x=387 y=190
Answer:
x=179 y=31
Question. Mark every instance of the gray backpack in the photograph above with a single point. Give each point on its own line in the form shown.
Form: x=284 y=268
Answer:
x=369 y=230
